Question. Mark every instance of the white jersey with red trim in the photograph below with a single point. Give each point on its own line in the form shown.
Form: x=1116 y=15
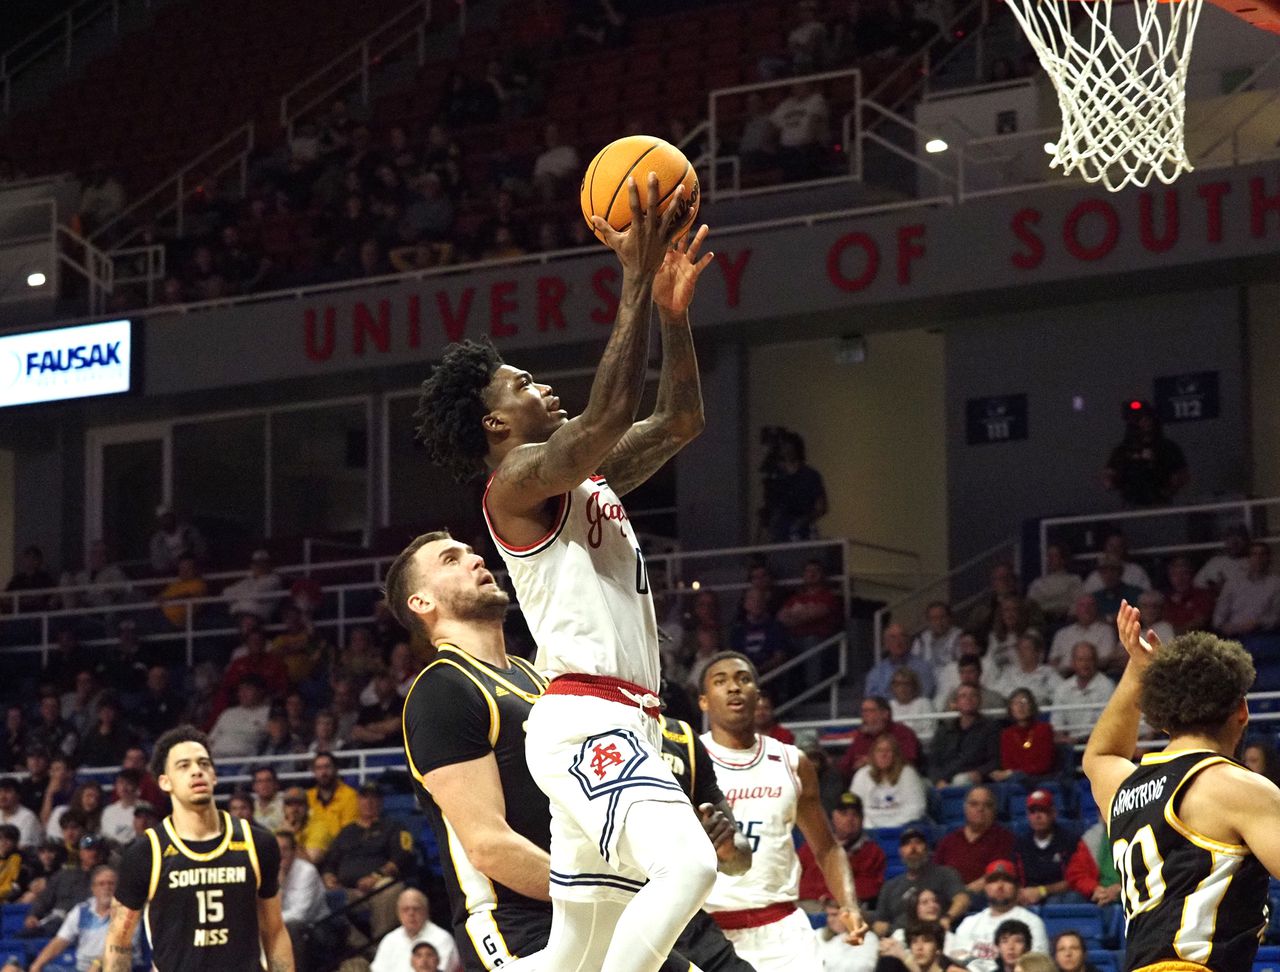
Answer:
x=584 y=590
x=762 y=786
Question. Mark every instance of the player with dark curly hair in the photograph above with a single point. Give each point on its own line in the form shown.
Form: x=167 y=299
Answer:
x=1193 y=833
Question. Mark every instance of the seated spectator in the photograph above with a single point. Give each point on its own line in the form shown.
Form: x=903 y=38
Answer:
x=969 y=669
x=1034 y=962
x=924 y=950
x=1231 y=563
x=13 y=812
x=302 y=897
x=379 y=724
x=898 y=896
x=175 y=595
x=369 y=853
x=109 y=740
x=1116 y=547
x=329 y=798
x=160 y=707
x=85 y=804
x=135 y=758
x=395 y=951
x=172 y=540
x=405 y=667
x=258 y=662
x=889 y=787
x=556 y=166
x=240 y=805
x=937 y=643
x=311 y=837
x=1057 y=867
x=32 y=576
x=1003 y=582
x=279 y=741
x=897 y=654
x=837 y=954
x=1151 y=607
x=299 y=647
x=976 y=936
x=145 y=817
x=930 y=908
x=1013 y=942
x=1113 y=590
x=814 y=613
x=60 y=788
x=866 y=860
x=324 y=733
x=257 y=593
x=767 y=723
x=48 y=859
x=117 y=816
x=1187 y=607
x=85 y=927
x=361 y=659
x=99 y=583
x=973 y=846
x=1098 y=842
x=831 y=784
x=1011 y=623
x=268 y=804
x=758 y=634
x=240 y=729
x=80 y=705
x=32 y=790
x=1087 y=685
x=808 y=40
x=1261 y=757
x=803 y=122
x=1027 y=749
x=877 y=719
x=1055 y=591
x=758 y=144
x=1070 y=954
x=64 y=889
x=947 y=677
x=13 y=738
x=1086 y=627
x=760 y=578
x=1251 y=603
x=908 y=704
x=11 y=864
x=1029 y=671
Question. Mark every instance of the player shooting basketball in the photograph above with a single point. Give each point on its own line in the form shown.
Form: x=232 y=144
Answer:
x=619 y=819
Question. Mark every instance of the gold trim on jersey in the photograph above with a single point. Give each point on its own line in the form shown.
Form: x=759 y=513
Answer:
x=253 y=854
x=477 y=889
x=404 y=731
x=1166 y=755
x=155 y=862
x=693 y=762
x=495 y=718
x=1197 y=838
x=1189 y=922
x=1173 y=966
x=489 y=672
x=218 y=851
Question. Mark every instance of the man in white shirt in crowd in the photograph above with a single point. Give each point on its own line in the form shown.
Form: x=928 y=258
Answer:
x=1151 y=607
x=268 y=804
x=976 y=936
x=557 y=164
x=1232 y=562
x=837 y=954
x=1088 y=626
x=30 y=833
x=117 y=816
x=85 y=928
x=302 y=895
x=1057 y=588
x=1086 y=686
x=395 y=951
x=1117 y=545
x=1029 y=671
x=936 y=644
x=241 y=728
x=257 y=592
x=1251 y=603
x=110 y=584
x=802 y=122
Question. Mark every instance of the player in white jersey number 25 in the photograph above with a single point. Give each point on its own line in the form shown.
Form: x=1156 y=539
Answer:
x=630 y=862
x=772 y=788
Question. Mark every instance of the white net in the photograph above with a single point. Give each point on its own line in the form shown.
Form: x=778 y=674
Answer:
x=1121 y=76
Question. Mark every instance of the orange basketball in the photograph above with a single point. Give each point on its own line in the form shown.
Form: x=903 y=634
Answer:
x=604 y=187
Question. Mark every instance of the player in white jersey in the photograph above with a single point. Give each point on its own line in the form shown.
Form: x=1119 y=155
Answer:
x=772 y=788
x=630 y=863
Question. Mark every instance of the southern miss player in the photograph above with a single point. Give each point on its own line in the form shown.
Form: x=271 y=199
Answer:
x=630 y=863
x=464 y=740
x=1193 y=833
x=772 y=788
x=207 y=885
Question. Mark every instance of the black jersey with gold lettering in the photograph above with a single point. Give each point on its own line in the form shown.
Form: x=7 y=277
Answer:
x=460 y=709
x=1187 y=897
x=200 y=898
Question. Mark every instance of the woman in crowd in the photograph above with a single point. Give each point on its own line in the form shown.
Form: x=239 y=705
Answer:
x=928 y=907
x=1027 y=750
x=1069 y=953
x=1261 y=757
x=891 y=790
x=87 y=798
x=1011 y=622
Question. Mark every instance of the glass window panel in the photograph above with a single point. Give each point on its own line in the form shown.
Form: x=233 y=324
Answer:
x=132 y=487
x=421 y=494
x=319 y=471
x=219 y=469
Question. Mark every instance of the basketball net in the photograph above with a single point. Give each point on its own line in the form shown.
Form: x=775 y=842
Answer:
x=1123 y=107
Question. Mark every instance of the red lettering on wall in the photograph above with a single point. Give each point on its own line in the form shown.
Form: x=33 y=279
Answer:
x=1212 y=193
x=600 y=281
x=415 y=321
x=551 y=293
x=1259 y=205
x=909 y=248
x=1021 y=224
x=455 y=323
x=324 y=350
x=872 y=262
x=1071 y=230
x=732 y=269
x=379 y=331
x=1146 y=221
x=501 y=303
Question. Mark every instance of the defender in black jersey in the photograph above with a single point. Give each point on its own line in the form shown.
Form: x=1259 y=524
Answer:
x=464 y=743
x=1193 y=833
x=206 y=885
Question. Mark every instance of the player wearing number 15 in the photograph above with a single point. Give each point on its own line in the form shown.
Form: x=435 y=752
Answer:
x=1193 y=833
x=207 y=885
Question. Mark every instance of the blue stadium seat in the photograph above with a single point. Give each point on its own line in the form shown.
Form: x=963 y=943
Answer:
x=893 y=870
x=1105 y=962
x=399 y=804
x=1268 y=953
x=819 y=920
x=12 y=917
x=15 y=949
x=385 y=759
x=1113 y=925
x=1086 y=919
x=952 y=799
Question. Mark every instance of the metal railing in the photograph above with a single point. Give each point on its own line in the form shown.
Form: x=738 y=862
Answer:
x=170 y=197
x=58 y=247
x=356 y=63
x=144 y=265
x=834 y=648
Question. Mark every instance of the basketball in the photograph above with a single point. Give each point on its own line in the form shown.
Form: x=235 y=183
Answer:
x=604 y=186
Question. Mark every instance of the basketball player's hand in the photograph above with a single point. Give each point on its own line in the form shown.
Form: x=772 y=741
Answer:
x=717 y=825
x=1129 y=628
x=855 y=926
x=673 y=286
x=643 y=245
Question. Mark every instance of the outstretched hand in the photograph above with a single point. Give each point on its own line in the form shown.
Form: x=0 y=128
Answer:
x=674 y=285
x=1129 y=628
x=643 y=245
x=854 y=924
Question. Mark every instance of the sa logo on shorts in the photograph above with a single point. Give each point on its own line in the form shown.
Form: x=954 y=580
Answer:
x=607 y=762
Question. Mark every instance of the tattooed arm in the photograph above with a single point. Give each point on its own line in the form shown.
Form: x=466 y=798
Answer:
x=275 y=936
x=677 y=417
x=118 y=955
